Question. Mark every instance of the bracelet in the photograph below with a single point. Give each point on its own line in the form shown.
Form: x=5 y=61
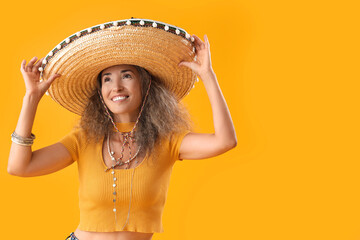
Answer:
x=21 y=140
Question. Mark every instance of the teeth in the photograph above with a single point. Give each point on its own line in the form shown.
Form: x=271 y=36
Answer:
x=118 y=98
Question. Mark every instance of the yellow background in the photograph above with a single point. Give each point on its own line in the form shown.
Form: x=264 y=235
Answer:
x=289 y=71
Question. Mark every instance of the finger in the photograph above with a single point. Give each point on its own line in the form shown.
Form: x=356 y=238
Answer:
x=196 y=42
x=30 y=64
x=199 y=42
x=207 y=41
x=37 y=65
x=22 y=67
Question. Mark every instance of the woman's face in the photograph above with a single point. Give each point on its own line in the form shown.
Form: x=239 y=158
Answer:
x=121 y=91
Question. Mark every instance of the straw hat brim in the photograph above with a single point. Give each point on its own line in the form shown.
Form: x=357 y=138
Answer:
x=79 y=60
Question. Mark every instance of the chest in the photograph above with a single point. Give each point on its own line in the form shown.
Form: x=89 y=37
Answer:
x=122 y=157
x=148 y=180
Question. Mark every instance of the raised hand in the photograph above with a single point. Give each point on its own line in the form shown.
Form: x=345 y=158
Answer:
x=31 y=75
x=202 y=65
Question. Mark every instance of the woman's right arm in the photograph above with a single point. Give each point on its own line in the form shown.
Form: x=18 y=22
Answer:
x=22 y=160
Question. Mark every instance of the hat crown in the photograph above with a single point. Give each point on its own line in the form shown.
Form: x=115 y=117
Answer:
x=156 y=46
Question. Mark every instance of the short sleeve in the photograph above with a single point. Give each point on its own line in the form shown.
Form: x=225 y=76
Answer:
x=176 y=141
x=72 y=142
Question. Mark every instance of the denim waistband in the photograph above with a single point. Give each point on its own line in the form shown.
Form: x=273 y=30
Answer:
x=71 y=237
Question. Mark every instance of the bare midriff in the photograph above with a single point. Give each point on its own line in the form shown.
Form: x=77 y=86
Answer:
x=125 y=235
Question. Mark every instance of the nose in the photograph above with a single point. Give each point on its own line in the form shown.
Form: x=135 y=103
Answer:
x=118 y=86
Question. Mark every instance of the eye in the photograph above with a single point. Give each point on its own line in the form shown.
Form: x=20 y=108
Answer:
x=127 y=76
x=106 y=79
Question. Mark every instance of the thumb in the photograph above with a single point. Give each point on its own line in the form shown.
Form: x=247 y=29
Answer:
x=192 y=65
x=52 y=78
x=186 y=64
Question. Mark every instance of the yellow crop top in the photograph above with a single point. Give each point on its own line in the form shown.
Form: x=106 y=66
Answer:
x=149 y=191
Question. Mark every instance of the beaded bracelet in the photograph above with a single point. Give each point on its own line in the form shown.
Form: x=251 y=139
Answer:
x=22 y=140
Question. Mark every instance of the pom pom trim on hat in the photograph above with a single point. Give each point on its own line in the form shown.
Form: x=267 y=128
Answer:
x=138 y=22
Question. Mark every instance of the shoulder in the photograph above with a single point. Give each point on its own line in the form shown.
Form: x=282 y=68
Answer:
x=177 y=137
x=77 y=136
x=76 y=132
x=175 y=140
x=76 y=141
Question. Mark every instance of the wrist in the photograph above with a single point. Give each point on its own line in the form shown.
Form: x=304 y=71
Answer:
x=207 y=74
x=31 y=98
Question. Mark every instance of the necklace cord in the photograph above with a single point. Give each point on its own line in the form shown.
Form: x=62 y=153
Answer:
x=119 y=162
x=127 y=136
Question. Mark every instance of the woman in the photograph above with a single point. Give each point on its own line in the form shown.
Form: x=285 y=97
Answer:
x=127 y=89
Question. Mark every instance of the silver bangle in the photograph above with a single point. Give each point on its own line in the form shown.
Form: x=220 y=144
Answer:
x=22 y=140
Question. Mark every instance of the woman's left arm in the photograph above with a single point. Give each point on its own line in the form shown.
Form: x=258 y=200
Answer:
x=202 y=145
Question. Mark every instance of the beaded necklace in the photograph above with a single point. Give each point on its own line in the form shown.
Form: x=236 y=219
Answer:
x=127 y=137
x=118 y=162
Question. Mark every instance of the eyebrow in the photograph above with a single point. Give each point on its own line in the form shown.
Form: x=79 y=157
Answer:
x=126 y=70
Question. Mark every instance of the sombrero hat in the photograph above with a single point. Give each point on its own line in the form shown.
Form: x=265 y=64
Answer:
x=158 y=47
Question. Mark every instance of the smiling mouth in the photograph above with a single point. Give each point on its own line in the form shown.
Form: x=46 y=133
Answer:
x=119 y=98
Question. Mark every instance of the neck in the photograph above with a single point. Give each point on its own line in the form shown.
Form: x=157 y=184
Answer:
x=127 y=117
x=124 y=126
